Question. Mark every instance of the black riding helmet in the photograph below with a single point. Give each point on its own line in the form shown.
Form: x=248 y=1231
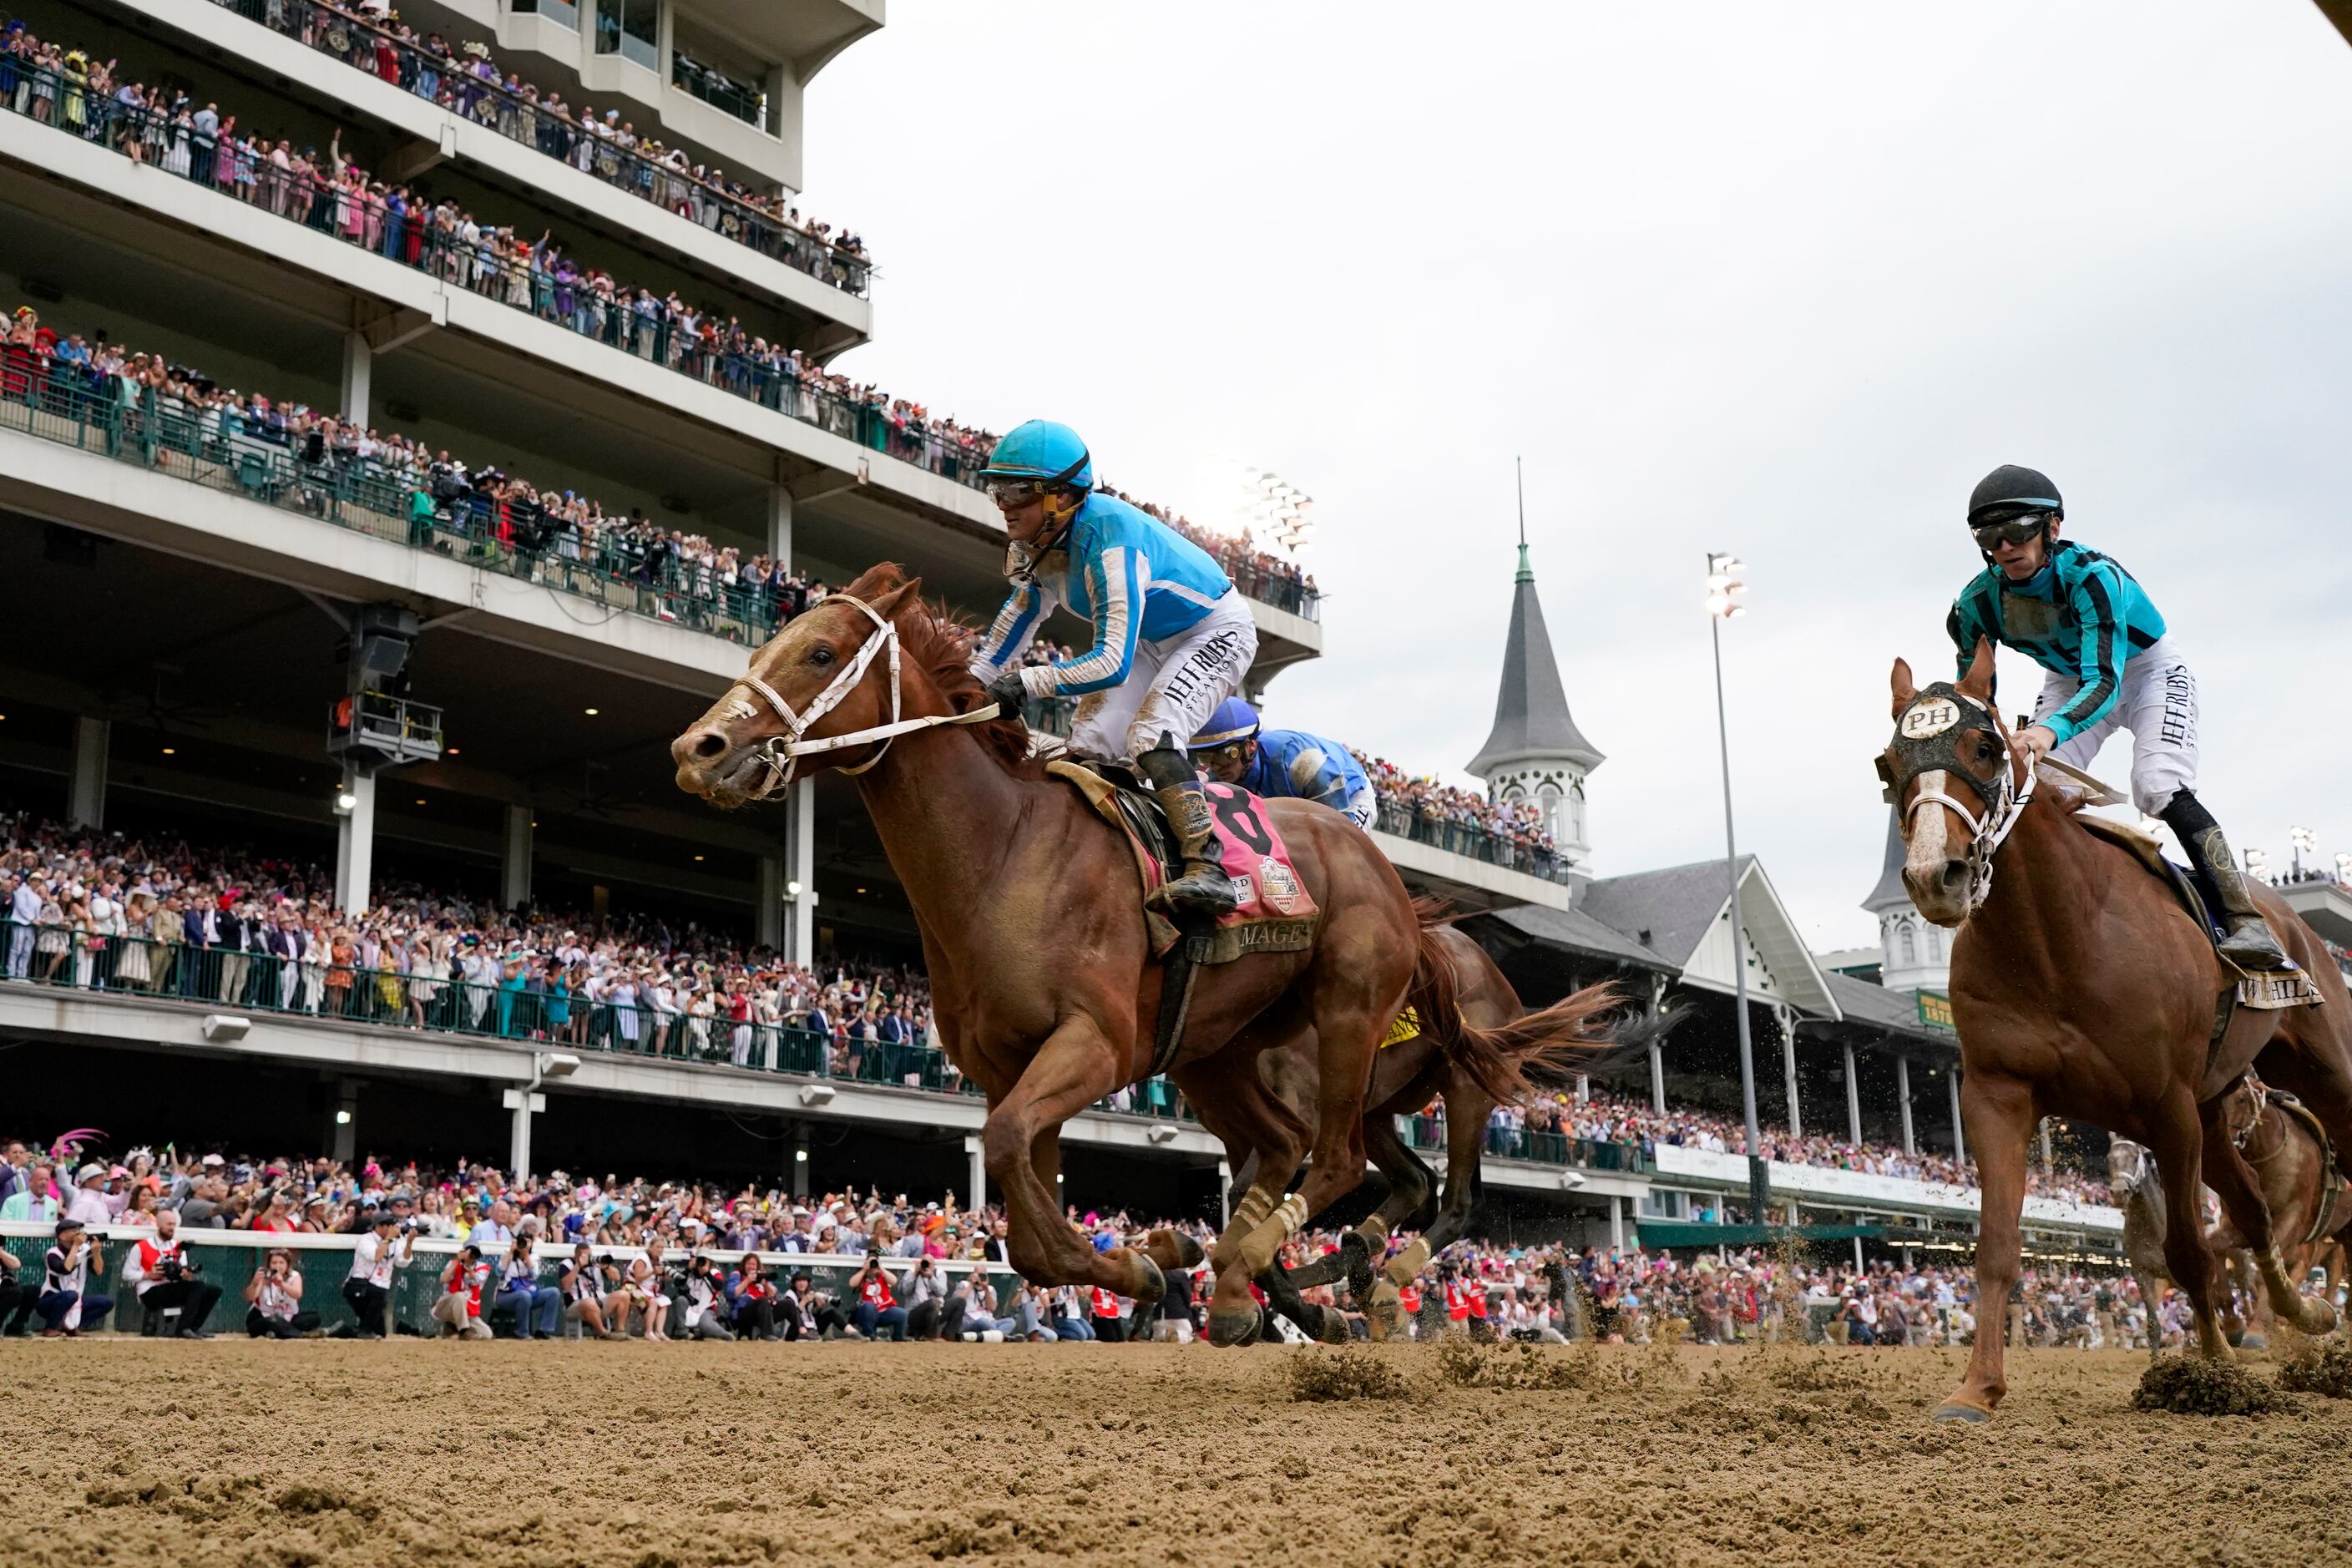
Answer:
x=2009 y=490
x=2010 y=493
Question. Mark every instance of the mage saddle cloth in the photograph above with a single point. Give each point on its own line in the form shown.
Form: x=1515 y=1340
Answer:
x=1276 y=912
x=2288 y=988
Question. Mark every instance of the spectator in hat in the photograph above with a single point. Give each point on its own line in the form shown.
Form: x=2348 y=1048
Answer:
x=88 y=1202
x=67 y=1304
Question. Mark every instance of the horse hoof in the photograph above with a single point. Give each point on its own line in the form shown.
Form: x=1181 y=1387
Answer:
x=1153 y=1286
x=1187 y=1251
x=2318 y=1319
x=1356 y=1255
x=1967 y=1414
x=1233 y=1329
x=1333 y=1328
x=2250 y=1341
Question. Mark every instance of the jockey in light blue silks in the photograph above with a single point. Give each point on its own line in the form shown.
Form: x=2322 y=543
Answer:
x=1236 y=749
x=1173 y=638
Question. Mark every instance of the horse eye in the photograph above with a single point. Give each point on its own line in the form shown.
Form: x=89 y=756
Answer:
x=820 y=655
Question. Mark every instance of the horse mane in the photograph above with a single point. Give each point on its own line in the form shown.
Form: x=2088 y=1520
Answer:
x=938 y=641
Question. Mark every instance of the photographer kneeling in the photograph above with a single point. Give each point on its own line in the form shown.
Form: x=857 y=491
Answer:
x=274 y=1299
x=163 y=1279
x=383 y=1247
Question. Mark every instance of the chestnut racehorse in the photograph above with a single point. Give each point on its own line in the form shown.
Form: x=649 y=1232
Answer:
x=2308 y=1204
x=1472 y=1079
x=2081 y=988
x=1031 y=915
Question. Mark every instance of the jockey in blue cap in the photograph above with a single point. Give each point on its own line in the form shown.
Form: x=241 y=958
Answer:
x=1173 y=638
x=2111 y=666
x=1237 y=750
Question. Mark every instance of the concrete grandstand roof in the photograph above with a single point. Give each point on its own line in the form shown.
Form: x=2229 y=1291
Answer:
x=1579 y=933
x=1892 y=1011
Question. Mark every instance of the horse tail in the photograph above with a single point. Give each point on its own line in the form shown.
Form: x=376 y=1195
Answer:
x=1551 y=1040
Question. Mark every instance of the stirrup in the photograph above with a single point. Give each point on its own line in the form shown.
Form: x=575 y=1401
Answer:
x=1204 y=889
x=2252 y=944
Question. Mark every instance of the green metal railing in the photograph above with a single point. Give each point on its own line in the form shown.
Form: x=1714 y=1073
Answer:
x=490 y=102
x=215 y=447
x=527 y=1005
x=1422 y=1132
x=1465 y=839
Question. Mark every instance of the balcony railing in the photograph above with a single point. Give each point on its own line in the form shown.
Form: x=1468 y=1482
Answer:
x=213 y=447
x=461 y=88
x=1538 y=1148
x=71 y=954
x=719 y=90
x=1464 y=838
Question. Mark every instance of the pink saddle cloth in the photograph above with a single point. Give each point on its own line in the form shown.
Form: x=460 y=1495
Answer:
x=1275 y=914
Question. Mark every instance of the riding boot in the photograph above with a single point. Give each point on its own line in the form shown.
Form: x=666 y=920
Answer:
x=2250 y=944
x=1203 y=888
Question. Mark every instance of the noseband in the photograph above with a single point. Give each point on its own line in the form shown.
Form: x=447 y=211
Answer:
x=780 y=754
x=1928 y=740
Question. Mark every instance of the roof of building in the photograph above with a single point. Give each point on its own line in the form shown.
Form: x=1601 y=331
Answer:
x=1675 y=911
x=1574 y=930
x=1890 y=890
x=1876 y=1008
x=1531 y=717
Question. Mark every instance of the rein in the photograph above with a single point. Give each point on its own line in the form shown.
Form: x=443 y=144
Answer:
x=779 y=753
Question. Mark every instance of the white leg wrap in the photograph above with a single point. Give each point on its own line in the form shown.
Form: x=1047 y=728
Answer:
x=1407 y=1265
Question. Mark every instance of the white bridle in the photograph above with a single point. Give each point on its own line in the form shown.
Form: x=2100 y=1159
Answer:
x=1987 y=831
x=779 y=753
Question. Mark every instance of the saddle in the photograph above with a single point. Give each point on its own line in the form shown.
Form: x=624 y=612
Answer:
x=1275 y=913
x=2286 y=988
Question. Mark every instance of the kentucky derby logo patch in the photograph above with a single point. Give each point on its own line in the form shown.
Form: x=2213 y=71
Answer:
x=1276 y=885
x=1930 y=718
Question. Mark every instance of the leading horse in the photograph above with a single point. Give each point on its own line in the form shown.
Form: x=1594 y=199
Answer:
x=1030 y=910
x=2081 y=988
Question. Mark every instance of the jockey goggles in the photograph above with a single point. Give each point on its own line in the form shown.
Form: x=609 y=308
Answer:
x=2015 y=530
x=1009 y=493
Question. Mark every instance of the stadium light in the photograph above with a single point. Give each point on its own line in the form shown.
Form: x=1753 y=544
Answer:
x=2301 y=839
x=2257 y=864
x=1723 y=591
x=346 y=803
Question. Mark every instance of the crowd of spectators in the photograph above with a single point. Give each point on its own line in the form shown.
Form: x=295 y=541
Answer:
x=1260 y=574
x=681 y=1259
x=1596 y=1114
x=106 y=912
x=1517 y=823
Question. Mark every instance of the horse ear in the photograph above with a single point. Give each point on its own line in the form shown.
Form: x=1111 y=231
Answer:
x=889 y=603
x=1978 y=681
x=1905 y=688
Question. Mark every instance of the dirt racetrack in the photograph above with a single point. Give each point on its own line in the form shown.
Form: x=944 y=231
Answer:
x=287 y=1456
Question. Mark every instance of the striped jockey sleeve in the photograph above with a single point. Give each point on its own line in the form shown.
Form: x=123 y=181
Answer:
x=1314 y=776
x=1015 y=624
x=1116 y=581
x=2097 y=601
x=1973 y=617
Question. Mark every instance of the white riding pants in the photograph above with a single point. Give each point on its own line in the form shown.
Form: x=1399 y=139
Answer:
x=1173 y=688
x=2158 y=705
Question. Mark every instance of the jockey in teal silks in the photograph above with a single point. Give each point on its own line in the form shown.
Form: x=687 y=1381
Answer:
x=1172 y=640
x=1236 y=749
x=2111 y=666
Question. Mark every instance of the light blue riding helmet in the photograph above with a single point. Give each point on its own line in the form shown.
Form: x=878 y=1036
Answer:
x=1042 y=450
x=1235 y=719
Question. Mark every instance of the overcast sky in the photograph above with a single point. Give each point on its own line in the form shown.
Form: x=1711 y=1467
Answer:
x=1780 y=279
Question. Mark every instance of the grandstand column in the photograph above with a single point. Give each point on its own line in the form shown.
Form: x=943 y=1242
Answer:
x=979 y=1198
x=1903 y=1094
x=514 y=862
x=1616 y=1224
x=359 y=373
x=780 y=522
x=768 y=917
x=800 y=873
x=1852 y=1100
x=799 y=1163
x=1786 y=1018
x=1657 y=1047
x=85 y=784
x=1959 y=1137
x=354 y=840
x=343 y=1122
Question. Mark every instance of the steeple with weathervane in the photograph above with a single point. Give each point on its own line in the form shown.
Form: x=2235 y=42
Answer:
x=1535 y=752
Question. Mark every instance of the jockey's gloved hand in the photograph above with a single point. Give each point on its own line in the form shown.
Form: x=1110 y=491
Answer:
x=1008 y=693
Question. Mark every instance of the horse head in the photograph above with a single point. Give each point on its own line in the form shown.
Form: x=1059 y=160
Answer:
x=832 y=671
x=1948 y=736
x=2127 y=1167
